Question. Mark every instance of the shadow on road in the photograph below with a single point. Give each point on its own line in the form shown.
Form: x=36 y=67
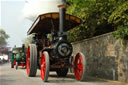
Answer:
x=53 y=78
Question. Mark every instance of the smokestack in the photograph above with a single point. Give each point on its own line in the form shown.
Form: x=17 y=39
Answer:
x=62 y=9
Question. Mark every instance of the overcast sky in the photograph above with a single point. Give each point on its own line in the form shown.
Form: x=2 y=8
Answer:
x=14 y=12
x=13 y=22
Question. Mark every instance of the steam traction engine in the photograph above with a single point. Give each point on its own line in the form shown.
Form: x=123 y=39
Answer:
x=18 y=57
x=54 y=54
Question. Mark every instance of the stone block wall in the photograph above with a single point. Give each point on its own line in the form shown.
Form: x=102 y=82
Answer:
x=106 y=57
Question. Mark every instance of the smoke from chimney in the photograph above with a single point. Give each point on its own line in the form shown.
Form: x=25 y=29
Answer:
x=33 y=8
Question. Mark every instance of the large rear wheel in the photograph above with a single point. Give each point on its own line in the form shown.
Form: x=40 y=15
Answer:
x=44 y=66
x=31 y=60
x=80 y=66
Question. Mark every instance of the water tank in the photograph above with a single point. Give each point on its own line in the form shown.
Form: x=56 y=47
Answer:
x=33 y=8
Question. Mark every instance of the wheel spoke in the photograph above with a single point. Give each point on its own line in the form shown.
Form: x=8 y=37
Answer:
x=78 y=74
x=78 y=70
x=44 y=66
x=80 y=67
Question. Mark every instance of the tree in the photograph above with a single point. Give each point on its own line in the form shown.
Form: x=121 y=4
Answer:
x=3 y=42
x=98 y=16
x=119 y=19
x=3 y=38
x=28 y=40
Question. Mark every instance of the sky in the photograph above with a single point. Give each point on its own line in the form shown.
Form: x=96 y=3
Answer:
x=13 y=21
x=14 y=15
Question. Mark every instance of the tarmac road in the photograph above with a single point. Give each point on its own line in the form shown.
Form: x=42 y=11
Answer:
x=9 y=76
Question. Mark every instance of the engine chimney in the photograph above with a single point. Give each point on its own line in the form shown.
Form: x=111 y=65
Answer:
x=62 y=9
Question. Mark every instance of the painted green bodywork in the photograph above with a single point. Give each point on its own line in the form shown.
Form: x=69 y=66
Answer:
x=12 y=58
x=17 y=54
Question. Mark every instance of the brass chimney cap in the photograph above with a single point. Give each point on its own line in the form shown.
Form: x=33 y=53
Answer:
x=62 y=6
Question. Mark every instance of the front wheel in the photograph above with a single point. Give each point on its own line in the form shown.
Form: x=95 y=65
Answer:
x=80 y=66
x=16 y=66
x=44 y=66
x=12 y=65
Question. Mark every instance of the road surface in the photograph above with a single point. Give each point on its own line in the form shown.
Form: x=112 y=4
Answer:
x=9 y=76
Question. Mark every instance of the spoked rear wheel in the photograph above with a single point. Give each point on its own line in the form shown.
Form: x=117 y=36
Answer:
x=31 y=60
x=80 y=67
x=44 y=66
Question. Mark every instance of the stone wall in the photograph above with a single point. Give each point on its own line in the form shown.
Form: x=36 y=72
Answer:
x=106 y=57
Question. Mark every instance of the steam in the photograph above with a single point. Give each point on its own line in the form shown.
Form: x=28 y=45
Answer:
x=34 y=8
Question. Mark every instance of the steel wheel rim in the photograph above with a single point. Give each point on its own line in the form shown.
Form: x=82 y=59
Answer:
x=78 y=69
x=28 y=60
x=43 y=66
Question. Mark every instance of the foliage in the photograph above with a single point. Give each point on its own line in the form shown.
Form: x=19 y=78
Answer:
x=98 y=16
x=120 y=15
x=119 y=18
x=3 y=37
x=3 y=43
x=28 y=40
x=122 y=32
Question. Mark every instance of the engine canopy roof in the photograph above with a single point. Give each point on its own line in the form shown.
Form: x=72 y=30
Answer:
x=46 y=22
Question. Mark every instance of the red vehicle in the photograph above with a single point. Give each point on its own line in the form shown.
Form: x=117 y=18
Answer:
x=54 y=54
